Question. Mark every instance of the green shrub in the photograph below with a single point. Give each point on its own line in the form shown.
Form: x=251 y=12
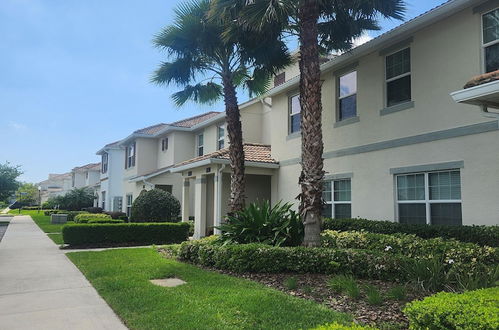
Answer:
x=276 y=225
x=93 y=209
x=155 y=205
x=105 y=221
x=373 y=295
x=291 y=283
x=412 y=246
x=117 y=215
x=125 y=233
x=471 y=310
x=85 y=217
x=344 y=284
x=261 y=258
x=482 y=235
x=397 y=293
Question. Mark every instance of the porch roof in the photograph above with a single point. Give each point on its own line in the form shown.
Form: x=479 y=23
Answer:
x=257 y=155
x=482 y=90
x=151 y=174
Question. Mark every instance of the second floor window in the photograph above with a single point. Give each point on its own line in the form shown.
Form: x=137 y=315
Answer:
x=130 y=156
x=105 y=161
x=294 y=114
x=200 y=150
x=491 y=40
x=398 y=77
x=347 y=96
x=164 y=144
x=220 y=137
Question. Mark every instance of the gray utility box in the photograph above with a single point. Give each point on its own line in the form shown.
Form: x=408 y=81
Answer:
x=58 y=218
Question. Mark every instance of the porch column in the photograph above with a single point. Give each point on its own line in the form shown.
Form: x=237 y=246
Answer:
x=217 y=216
x=185 y=201
x=200 y=208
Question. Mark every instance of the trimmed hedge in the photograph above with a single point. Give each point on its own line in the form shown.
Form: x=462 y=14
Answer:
x=261 y=258
x=105 y=221
x=125 y=233
x=85 y=217
x=470 y=310
x=482 y=235
x=410 y=245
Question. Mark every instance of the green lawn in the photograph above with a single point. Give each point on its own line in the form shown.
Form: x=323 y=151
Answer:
x=208 y=301
x=43 y=222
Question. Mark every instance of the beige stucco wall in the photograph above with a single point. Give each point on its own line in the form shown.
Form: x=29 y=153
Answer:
x=183 y=146
x=373 y=190
x=165 y=157
x=436 y=53
x=147 y=155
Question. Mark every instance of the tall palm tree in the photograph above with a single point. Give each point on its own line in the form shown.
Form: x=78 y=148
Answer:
x=208 y=66
x=321 y=26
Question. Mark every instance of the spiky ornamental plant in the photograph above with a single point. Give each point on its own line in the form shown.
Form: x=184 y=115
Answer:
x=321 y=26
x=209 y=66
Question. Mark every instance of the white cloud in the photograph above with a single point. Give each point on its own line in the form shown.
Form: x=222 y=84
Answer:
x=362 y=39
x=17 y=126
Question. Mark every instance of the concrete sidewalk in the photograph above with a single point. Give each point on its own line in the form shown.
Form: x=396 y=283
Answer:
x=40 y=288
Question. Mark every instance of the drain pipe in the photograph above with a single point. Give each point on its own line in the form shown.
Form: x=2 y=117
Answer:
x=488 y=114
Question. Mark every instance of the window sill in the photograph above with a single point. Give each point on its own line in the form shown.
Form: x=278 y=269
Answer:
x=292 y=136
x=347 y=121
x=396 y=108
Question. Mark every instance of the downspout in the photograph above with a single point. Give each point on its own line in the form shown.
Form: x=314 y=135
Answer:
x=487 y=113
x=219 y=197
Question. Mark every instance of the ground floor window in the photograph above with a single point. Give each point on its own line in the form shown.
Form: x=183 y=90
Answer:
x=129 y=201
x=338 y=197
x=118 y=204
x=104 y=200
x=429 y=198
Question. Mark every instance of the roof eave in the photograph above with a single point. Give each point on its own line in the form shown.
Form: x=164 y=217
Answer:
x=210 y=161
x=479 y=95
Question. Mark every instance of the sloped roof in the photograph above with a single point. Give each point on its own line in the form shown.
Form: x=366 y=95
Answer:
x=187 y=123
x=91 y=166
x=258 y=153
x=482 y=79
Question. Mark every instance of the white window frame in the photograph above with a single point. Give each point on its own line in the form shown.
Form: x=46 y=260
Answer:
x=291 y=114
x=131 y=156
x=399 y=76
x=427 y=201
x=333 y=202
x=338 y=116
x=103 y=202
x=220 y=139
x=105 y=162
x=200 y=147
x=491 y=43
x=128 y=206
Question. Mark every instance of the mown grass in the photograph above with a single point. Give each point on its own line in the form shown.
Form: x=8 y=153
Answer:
x=43 y=221
x=209 y=300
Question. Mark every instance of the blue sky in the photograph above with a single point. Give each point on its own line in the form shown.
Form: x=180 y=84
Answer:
x=74 y=75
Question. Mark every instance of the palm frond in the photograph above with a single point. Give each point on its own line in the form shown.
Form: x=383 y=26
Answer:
x=208 y=93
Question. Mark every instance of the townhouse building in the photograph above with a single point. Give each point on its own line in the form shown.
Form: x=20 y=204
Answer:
x=55 y=185
x=110 y=186
x=397 y=145
x=403 y=141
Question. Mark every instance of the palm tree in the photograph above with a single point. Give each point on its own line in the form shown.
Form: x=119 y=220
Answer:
x=321 y=26
x=208 y=66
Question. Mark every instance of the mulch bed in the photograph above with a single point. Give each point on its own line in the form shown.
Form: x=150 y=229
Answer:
x=387 y=315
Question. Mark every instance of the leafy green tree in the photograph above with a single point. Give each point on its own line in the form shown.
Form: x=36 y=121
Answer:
x=75 y=200
x=8 y=180
x=321 y=26
x=28 y=193
x=155 y=205
x=210 y=66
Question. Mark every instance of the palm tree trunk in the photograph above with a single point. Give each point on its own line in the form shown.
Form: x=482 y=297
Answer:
x=236 y=150
x=312 y=174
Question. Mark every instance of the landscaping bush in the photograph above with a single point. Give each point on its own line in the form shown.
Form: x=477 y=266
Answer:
x=337 y=326
x=155 y=205
x=276 y=225
x=85 y=217
x=75 y=200
x=262 y=258
x=125 y=233
x=482 y=235
x=470 y=310
x=117 y=215
x=412 y=246
x=105 y=221
x=93 y=209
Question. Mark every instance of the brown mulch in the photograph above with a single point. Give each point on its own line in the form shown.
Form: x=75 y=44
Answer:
x=387 y=315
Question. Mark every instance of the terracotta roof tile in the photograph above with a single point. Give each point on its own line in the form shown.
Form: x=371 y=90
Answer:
x=151 y=130
x=482 y=79
x=91 y=166
x=252 y=153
